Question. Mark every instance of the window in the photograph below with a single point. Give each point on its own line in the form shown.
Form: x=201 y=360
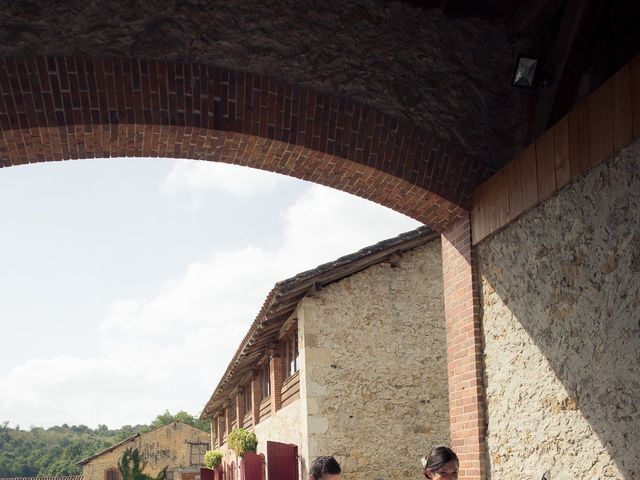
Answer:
x=247 y=399
x=266 y=381
x=197 y=453
x=112 y=474
x=290 y=354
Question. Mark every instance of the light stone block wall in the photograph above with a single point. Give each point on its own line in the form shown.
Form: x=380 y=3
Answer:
x=286 y=426
x=375 y=369
x=164 y=447
x=561 y=321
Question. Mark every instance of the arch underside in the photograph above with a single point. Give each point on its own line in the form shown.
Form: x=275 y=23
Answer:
x=54 y=108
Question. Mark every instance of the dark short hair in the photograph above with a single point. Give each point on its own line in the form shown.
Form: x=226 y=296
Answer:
x=438 y=458
x=322 y=465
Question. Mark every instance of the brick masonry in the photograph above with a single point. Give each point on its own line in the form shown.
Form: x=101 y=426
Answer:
x=392 y=56
x=221 y=429
x=69 y=108
x=275 y=372
x=464 y=351
x=240 y=409
x=256 y=398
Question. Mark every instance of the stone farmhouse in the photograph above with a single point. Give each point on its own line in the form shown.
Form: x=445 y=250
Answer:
x=342 y=361
x=178 y=447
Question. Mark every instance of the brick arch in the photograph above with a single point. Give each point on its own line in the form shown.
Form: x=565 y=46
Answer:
x=55 y=108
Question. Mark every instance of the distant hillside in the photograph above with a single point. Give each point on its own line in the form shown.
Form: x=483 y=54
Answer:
x=54 y=451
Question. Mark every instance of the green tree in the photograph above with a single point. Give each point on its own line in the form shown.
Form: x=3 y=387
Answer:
x=54 y=451
x=166 y=418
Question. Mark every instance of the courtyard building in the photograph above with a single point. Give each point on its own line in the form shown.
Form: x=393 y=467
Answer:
x=178 y=447
x=342 y=361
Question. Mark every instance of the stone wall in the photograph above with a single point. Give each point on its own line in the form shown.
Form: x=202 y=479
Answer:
x=389 y=55
x=374 y=365
x=561 y=323
x=286 y=426
x=164 y=447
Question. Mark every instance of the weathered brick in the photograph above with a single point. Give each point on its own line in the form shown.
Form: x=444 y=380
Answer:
x=107 y=107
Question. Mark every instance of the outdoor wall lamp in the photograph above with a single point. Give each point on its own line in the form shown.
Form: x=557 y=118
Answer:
x=526 y=72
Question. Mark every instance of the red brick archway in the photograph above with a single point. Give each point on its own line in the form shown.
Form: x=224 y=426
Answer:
x=54 y=108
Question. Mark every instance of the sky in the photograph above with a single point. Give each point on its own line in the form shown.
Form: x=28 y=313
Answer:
x=127 y=284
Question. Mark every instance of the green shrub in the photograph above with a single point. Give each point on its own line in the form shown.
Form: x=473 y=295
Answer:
x=241 y=441
x=213 y=459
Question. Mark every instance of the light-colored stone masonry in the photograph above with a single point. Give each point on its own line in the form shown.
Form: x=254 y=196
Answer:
x=164 y=447
x=561 y=323
x=286 y=426
x=373 y=371
x=374 y=374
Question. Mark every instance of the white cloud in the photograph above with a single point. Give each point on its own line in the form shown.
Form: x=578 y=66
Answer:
x=169 y=351
x=232 y=179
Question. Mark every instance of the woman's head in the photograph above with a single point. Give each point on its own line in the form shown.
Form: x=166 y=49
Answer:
x=442 y=463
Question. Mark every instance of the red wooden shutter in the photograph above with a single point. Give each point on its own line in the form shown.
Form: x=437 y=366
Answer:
x=251 y=467
x=206 y=474
x=218 y=473
x=282 y=461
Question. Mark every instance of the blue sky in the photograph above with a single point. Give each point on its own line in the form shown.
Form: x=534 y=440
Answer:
x=126 y=284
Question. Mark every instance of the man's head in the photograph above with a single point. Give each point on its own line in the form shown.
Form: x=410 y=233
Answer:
x=324 y=468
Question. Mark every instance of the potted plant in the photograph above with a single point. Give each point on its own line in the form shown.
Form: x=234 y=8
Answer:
x=212 y=462
x=213 y=459
x=242 y=441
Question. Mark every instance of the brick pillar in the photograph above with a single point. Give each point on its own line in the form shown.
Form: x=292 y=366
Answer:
x=221 y=429
x=227 y=417
x=464 y=351
x=256 y=397
x=275 y=370
x=240 y=408
x=212 y=426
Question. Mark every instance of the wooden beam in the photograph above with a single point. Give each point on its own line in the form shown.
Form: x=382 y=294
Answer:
x=528 y=16
x=287 y=307
x=567 y=62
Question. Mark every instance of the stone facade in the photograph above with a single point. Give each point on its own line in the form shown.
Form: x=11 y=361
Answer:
x=561 y=324
x=374 y=367
x=388 y=55
x=286 y=426
x=372 y=371
x=168 y=446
